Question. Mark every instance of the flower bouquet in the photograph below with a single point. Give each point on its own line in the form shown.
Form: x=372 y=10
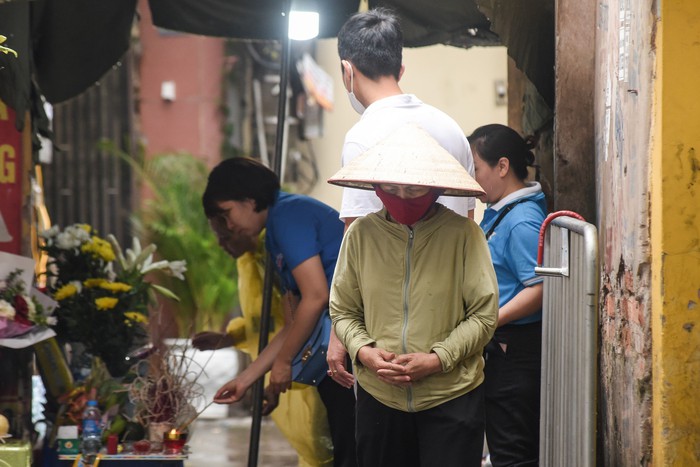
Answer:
x=103 y=293
x=25 y=315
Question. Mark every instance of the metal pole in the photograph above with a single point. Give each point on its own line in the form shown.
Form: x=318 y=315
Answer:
x=259 y=386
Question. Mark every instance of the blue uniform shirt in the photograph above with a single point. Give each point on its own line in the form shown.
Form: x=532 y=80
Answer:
x=299 y=228
x=513 y=244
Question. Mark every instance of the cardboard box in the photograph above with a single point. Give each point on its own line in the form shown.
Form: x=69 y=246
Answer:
x=69 y=446
x=68 y=441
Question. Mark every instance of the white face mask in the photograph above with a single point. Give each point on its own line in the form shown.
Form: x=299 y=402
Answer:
x=354 y=102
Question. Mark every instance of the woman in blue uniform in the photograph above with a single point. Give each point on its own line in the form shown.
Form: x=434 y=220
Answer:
x=515 y=211
x=303 y=237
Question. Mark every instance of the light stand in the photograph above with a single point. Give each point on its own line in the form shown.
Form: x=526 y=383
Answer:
x=265 y=318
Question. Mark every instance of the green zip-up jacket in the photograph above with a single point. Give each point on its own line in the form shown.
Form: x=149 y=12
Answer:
x=431 y=288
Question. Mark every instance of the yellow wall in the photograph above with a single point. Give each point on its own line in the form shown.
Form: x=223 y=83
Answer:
x=675 y=235
x=458 y=81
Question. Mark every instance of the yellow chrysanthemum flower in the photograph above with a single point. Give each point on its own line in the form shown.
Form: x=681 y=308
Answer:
x=99 y=247
x=104 y=249
x=136 y=316
x=106 y=303
x=66 y=291
x=115 y=286
x=85 y=227
x=90 y=283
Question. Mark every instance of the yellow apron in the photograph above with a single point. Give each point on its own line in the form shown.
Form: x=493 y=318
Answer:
x=300 y=415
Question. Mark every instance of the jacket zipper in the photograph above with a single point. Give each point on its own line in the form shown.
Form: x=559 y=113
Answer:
x=409 y=247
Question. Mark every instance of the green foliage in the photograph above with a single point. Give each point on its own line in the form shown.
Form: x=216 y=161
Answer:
x=172 y=217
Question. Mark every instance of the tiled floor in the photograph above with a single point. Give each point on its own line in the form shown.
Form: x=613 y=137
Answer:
x=225 y=443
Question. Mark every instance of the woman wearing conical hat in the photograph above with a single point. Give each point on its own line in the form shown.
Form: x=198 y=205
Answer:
x=414 y=299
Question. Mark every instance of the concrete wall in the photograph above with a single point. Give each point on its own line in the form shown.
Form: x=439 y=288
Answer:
x=675 y=233
x=647 y=120
x=573 y=173
x=625 y=63
x=457 y=81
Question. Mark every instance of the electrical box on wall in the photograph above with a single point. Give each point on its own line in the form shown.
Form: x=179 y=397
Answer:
x=167 y=91
x=500 y=92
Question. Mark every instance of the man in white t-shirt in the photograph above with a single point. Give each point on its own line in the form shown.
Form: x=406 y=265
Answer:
x=370 y=46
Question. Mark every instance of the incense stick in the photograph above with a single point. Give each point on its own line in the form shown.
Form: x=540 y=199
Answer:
x=187 y=423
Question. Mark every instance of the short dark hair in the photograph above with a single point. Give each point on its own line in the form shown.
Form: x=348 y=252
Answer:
x=238 y=179
x=373 y=42
x=491 y=142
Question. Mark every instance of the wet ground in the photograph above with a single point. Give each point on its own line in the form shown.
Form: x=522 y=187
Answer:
x=225 y=443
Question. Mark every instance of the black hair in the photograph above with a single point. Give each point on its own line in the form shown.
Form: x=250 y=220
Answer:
x=238 y=179
x=494 y=141
x=373 y=42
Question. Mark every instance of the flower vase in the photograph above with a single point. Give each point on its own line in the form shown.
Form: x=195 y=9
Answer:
x=53 y=368
x=156 y=431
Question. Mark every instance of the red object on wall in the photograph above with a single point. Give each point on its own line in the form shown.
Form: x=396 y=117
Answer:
x=10 y=182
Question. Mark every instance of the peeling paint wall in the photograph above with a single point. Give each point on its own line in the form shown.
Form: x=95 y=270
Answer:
x=623 y=119
x=675 y=233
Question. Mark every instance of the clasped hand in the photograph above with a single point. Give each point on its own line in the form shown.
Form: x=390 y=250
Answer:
x=399 y=370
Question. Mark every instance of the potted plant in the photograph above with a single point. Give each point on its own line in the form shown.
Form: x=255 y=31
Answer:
x=172 y=217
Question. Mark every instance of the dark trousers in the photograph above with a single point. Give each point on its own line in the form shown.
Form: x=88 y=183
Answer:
x=513 y=395
x=451 y=434
x=340 y=406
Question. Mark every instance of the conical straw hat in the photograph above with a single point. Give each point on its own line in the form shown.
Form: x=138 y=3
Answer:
x=409 y=156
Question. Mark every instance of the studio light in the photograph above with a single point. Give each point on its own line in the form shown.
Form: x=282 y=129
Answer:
x=303 y=25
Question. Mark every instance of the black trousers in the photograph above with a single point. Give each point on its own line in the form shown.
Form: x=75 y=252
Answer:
x=513 y=395
x=451 y=434
x=340 y=406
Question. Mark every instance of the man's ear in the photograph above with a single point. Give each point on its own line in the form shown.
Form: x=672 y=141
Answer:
x=403 y=68
x=345 y=70
x=346 y=67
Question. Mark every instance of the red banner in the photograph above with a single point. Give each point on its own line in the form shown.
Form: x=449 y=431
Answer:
x=10 y=182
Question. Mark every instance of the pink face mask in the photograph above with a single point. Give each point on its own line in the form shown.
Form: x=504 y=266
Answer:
x=407 y=211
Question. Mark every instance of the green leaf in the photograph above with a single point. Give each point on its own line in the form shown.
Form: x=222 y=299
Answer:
x=173 y=219
x=166 y=292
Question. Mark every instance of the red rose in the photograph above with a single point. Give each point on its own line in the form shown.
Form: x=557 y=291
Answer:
x=21 y=310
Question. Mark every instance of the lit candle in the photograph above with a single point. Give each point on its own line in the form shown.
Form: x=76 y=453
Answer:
x=174 y=441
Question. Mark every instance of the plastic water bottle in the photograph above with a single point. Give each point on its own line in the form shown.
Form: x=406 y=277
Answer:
x=91 y=437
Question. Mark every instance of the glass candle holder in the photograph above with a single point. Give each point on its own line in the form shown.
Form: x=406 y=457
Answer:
x=174 y=441
x=142 y=447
